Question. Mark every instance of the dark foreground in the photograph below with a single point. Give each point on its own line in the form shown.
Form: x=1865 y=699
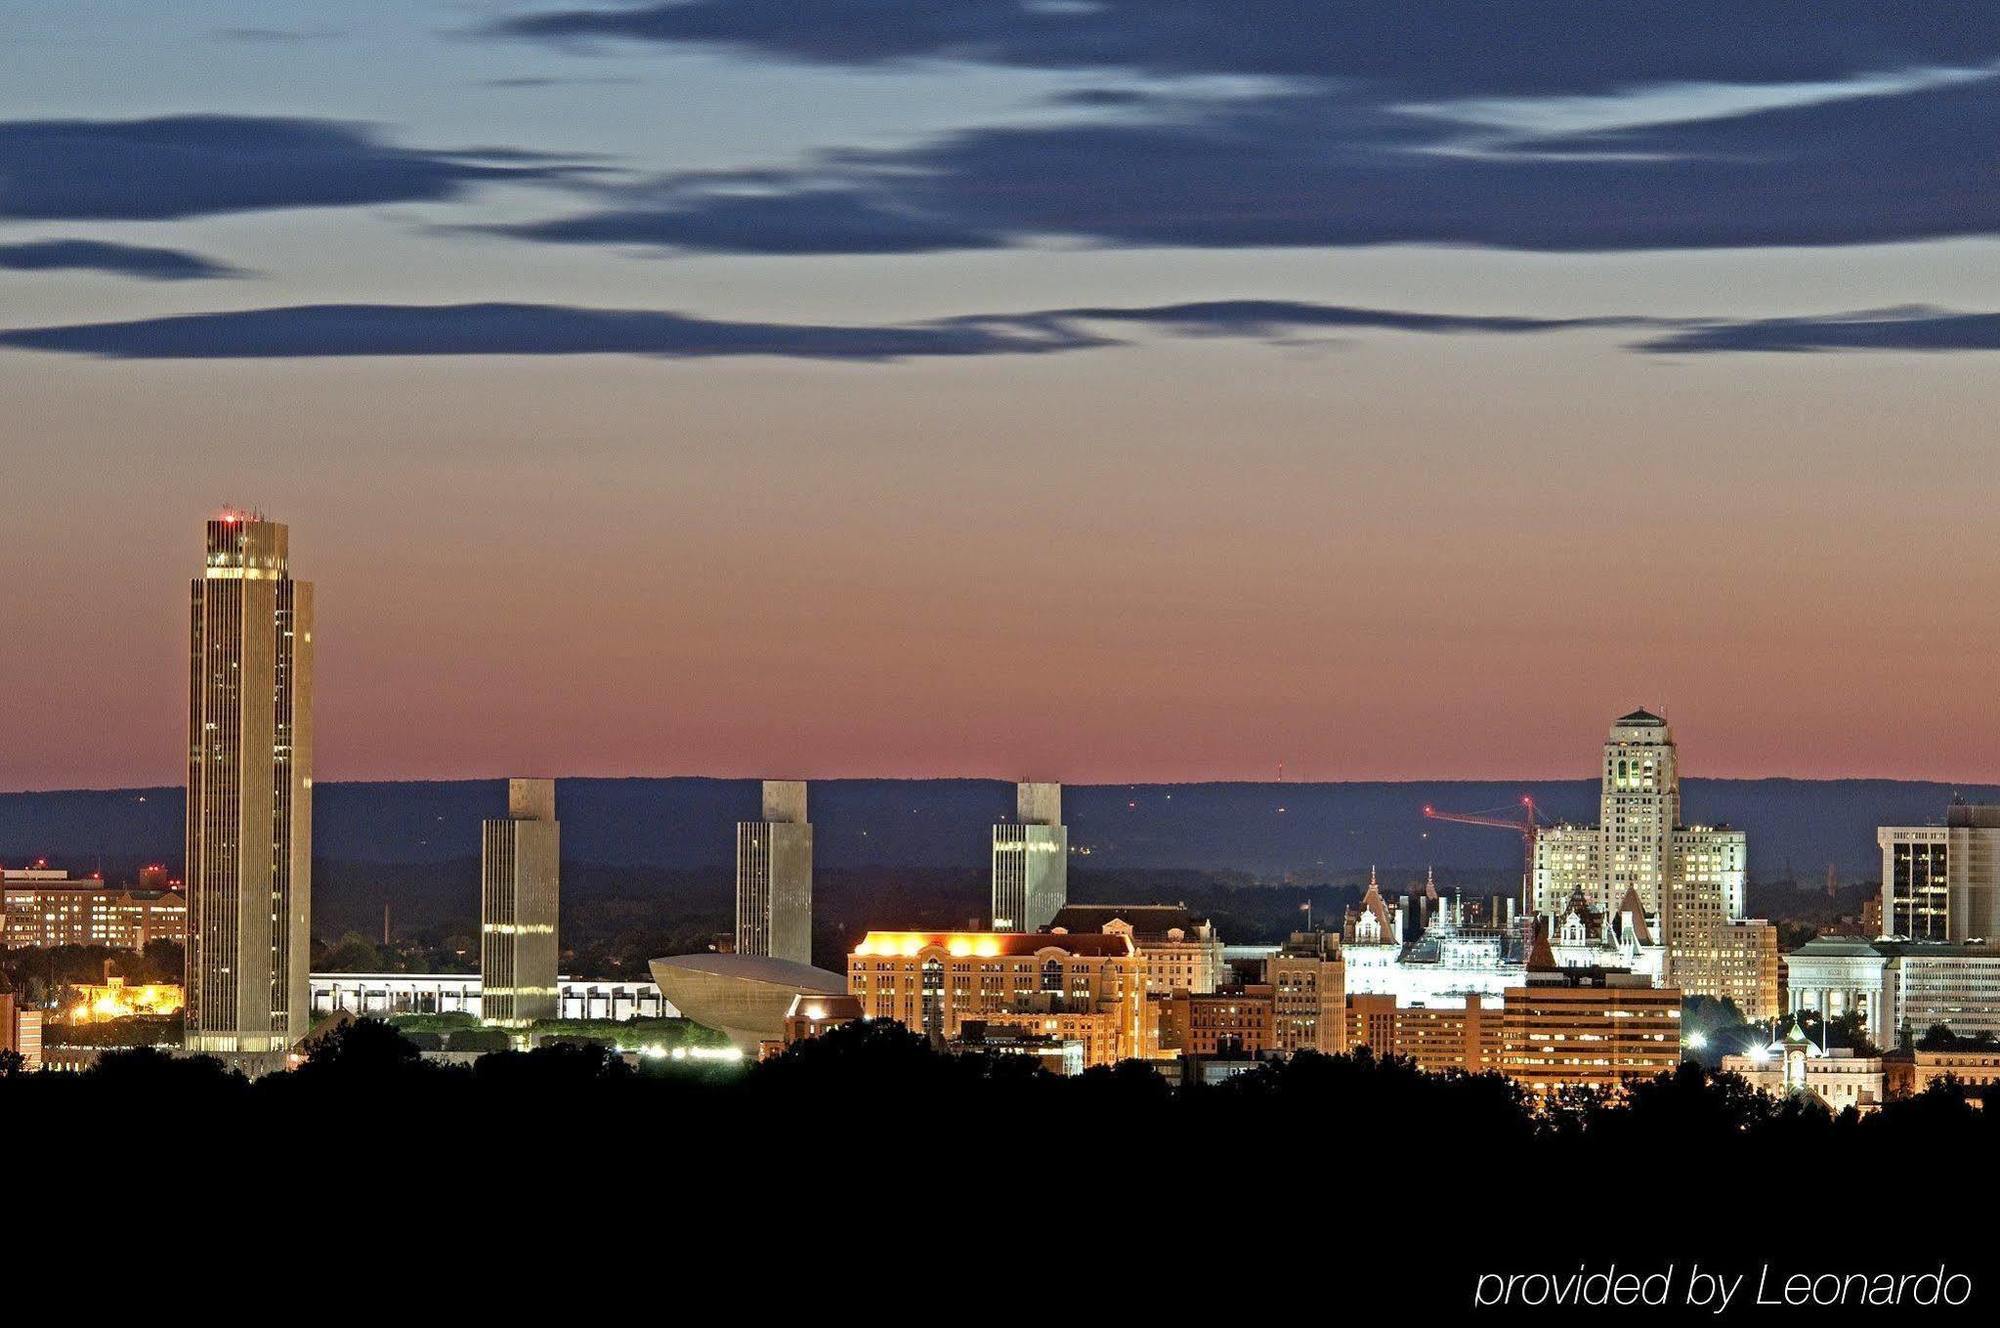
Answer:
x=863 y=1164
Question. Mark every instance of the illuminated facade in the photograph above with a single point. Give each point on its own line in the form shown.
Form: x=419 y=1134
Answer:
x=1795 y=1065
x=774 y=862
x=1587 y=1028
x=1301 y=1005
x=1436 y=1039
x=1691 y=878
x=461 y=993
x=1089 y=988
x=1942 y=883
x=1181 y=952
x=97 y=1002
x=249 y=792
x=1900 y=989
x=1031 y=861
x=20 y=1028
x=45 y=909
x=520 y=865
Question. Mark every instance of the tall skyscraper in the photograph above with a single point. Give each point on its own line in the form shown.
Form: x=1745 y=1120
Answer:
x=519 y=878
x=1030 y=861
x=249 y=793
x=1639 y=807
x=1942 y=883
x=774 y=867
x=1690 y=877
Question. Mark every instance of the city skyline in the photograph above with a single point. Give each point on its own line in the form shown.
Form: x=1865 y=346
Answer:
x=938 y=402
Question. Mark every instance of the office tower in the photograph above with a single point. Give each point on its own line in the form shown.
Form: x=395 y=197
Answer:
x=249 y=793
x=1691 y=878
x=774 y=876
x=519 y=876
x=1942 y=883
x=1031 y=861
x=1639 y=807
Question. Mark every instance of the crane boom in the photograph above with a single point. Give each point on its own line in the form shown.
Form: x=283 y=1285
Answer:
x=1527 y=825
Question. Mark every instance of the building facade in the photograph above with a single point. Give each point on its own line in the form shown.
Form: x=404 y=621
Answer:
x=1181 y=952
x=1089 y=988
x=774 y=864
x=1466 y=1037
x=461 y=993
x=249 y=792
x=1031 y=861
x=45 y=909
x=1582 y=1028
x=1899 y=989
x=1942 y=883
x=520 y=865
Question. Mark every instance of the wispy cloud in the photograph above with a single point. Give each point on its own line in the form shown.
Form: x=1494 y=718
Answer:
x=126 y=260
x=198 y=165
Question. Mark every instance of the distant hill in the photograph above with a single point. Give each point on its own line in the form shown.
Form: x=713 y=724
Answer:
x=1303 y=832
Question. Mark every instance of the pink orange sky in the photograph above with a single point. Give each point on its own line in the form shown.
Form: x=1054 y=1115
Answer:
x=1126 y=394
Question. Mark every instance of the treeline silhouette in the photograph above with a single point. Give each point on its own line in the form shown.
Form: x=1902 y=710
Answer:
x=1351 y=1181
x=880 y=1082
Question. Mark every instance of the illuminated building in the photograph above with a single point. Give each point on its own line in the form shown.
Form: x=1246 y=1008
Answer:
x=1232 y=1022
x=745 y=997
x=1031 y=861
x=1300 y=1005
x=1057 y=1054
x=812 y=1015
x=1942 y=883
x=774 y=862
x=1795 y=1065
x=114 y=999
x=46 y=908
x=1690 y=877
x=1436 y=1039
x=1736 y=960
x=1978 y=1069
x=1451 y=963
x=1898 y=988
x=1571 y=1027
x=20 y=1028
x=461 y=993
x=1181 y=952
x=1308 y=982
x=520 y=863
x=1090 y=987
x=249 y=792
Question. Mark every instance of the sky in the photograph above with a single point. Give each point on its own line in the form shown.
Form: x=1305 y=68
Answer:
x=1094 y=390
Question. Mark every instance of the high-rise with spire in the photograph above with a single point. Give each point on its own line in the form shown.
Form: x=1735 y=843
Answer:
x=249 y=792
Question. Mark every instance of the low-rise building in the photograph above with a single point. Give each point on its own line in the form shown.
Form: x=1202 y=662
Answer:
x=1435 y=1038
x=20 y=1028
x=45 y=908
x=459 y=993
x=1900 y=989
x=1086 y=986
x=1837 y=1076
x=1587 y=1027
x=1181 y=952
x=1977 y=1068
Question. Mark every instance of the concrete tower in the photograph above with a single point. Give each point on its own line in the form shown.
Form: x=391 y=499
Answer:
x=519 y=881
x=1031 y=861
x=774 y=866
x=249 y=793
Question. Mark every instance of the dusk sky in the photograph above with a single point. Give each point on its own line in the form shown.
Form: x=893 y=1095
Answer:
x=1092 y=390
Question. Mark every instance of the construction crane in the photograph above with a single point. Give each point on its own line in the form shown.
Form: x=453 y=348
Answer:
x=1528 y=825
